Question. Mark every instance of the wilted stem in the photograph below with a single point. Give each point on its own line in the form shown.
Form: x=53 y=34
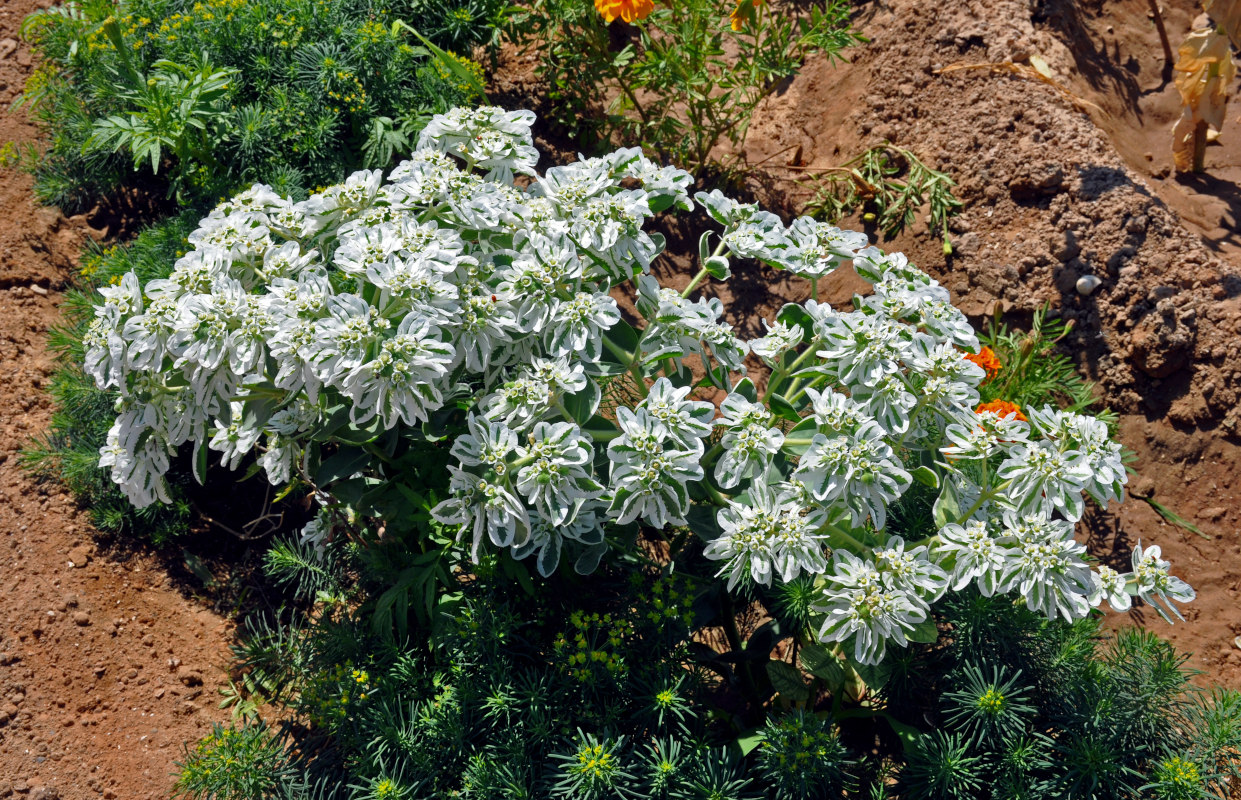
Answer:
x=1168 y=58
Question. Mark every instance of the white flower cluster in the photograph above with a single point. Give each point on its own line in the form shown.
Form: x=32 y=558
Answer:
x=380 y=308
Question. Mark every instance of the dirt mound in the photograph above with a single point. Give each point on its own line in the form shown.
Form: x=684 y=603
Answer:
x=1051 y=196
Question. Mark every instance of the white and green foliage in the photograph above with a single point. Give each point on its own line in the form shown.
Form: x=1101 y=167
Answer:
x=452 y=306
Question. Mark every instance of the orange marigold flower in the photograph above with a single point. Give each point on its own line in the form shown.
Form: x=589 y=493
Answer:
x=628 y=10
x=743 y=13
x=986 y=359
x=1002 y=408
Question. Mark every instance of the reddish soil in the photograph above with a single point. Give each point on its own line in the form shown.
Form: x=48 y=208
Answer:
x=106 y=667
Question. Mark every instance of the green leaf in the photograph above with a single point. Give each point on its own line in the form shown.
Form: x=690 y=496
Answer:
x=748 y=741
x=926 y=476
x=344 y=463
x=783 y=408
x=200 y=461
x=947 y=506
x=823 y=663
x=794 y=314
x=704 y=247
x=623 y=335
x=874 y=675
x=351 y=434
x=702 y=522
x=925 y=632
x=446 y=62
x=582 y=406
x=717 y=267
x=787 y=680
x=745 y=388
x=804 y=430
x=198 y=567
x=600 y=428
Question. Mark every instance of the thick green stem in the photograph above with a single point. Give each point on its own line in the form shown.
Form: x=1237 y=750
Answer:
x=630 y=362
x=702 y=273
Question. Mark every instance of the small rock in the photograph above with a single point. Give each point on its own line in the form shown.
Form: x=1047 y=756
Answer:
x=8 y=710
x=45 y=793
x=7 y=46
x=1066 y=249
x=81 y=618
x=968 y=244
x=159 y=693
x=1213 y=514
x=6 y=788
x=1046 y=180
x=37 y=289
x=148 y=640
x=21 y=787
x=79 y=556
x=1087 y=284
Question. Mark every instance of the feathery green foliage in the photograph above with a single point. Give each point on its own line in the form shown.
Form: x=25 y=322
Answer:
x=209 y=96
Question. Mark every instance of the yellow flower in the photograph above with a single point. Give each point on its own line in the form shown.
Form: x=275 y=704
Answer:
x=628 y=10
x=743 y=13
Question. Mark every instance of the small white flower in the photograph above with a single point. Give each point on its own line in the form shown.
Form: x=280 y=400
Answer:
x=650 y=471
x=769 y=534
x=976 y=556
x=235 y=438
x=1040 y=476
x=1156 y=585
x=988 y=434
x=488 y=509
x=683 y=420
x=548 y=541
x=780 y=339
x=403 y=382
x=858 y=605
x=821 y=248
x=1046 y=566
x=488 y=137
x=1111 y=586
x=859 y=469
x=557 y=479
x=911 y=571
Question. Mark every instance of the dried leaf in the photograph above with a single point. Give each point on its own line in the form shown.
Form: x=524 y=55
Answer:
x=1183 y=141
x=1204 y=71
x=1040 y=66
x=1023 y=71
x=1227 y=15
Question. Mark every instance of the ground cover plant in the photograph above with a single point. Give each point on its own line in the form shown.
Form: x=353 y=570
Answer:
x=436 y=356
x=199 y=100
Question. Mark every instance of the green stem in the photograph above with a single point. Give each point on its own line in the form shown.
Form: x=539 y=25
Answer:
x=731 y=632
x=835 y=534
x=983 y=496
x=630 y=362
x=702 y=273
